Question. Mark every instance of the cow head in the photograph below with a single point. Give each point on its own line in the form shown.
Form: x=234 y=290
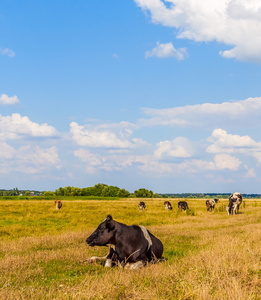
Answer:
x=104 y=234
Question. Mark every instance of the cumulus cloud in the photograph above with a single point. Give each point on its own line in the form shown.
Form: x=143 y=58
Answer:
x=251 y=173
x=5 y=100
x=226 y=161
x=229 y=143
x=17 y=127
x=28 y=159
x=180 y=147
x=6 y=51
x=167 y=50
x=6 y=151
x=234 y=23
x=103 y=137
x=224 y=144
x=206 y=113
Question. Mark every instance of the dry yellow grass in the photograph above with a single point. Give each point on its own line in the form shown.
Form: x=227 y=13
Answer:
x=207 y=255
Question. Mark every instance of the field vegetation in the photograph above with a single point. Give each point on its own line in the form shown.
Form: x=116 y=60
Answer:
x=206 y=255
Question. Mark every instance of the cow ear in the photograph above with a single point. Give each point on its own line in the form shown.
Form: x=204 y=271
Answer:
x=109 y=218
x=109 y=224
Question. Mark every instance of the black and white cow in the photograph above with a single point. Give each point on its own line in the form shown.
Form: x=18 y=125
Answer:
x=183 y=205
x=58 y=204
x=142 y=205
x=167 y=205
x=210 y=204
x=134 y=246
x=235 y=200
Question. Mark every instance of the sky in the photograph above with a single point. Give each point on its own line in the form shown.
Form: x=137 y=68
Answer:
x=162 y=95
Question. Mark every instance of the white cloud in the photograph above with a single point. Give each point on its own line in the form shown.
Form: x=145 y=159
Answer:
x=6 y=51
x=167 y=50
x=226 y=161
x=235 y=23
x=223 y=142
x=28 y=159
x=251 y=173
x=88 y=157
x=205 y=114
x=5 y=100
x=38 y=156
x=16 y=127
x=101 y=137
x=179 y=147
x=6 y=151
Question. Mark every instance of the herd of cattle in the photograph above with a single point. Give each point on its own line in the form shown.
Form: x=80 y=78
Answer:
x=234 y=202
x=134 y=246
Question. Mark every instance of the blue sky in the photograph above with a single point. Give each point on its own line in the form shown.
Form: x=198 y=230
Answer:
x=163 y=95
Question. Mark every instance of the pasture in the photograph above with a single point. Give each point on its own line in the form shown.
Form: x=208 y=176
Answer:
x=207 y=255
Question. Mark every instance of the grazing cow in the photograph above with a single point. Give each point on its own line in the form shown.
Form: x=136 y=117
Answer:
x=235 y=200
x=167 y=205
x=210 y=204
x=58 y=204
x=142 y=205
x=134 y=246
x=183 y=205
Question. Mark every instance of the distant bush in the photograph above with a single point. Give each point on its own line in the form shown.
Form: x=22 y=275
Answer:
x=99 y=190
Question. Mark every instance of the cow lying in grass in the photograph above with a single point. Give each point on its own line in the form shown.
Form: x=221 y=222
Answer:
x=183 y=205
x=142 y=205
x=235 y=200
x=210 y=204
x=134 y=246
x=167 y=205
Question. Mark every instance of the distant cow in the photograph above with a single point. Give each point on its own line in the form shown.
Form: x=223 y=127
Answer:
x=210 y=204
x=167 y=205
x=58 y=204
x=183 y=205
x=134 y=246
x=235 y=200
x=142 y=205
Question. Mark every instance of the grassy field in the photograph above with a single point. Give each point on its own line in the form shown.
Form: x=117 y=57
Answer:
x=207 y=255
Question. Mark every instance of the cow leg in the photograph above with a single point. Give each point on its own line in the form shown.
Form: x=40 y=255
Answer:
x=94 y=259
x=133 y=266
x=111 y=258
x=107 y=258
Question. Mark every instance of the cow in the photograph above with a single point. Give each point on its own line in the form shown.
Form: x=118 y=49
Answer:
x=183 y=205
x=58 y=204
x=167 y=205
x=210 y=204
x=235 y=200
x=142 y=205
x=130 y=246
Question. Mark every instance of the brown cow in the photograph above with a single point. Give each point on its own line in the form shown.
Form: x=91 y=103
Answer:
x=210 y=204
x=58 y=204
x=183 y=205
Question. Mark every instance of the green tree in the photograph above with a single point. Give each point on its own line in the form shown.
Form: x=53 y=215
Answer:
x=143 y=193
x=49 y=193
x=123 y=193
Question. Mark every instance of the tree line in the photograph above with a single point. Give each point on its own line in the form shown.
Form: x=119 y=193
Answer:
x=104 y=190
